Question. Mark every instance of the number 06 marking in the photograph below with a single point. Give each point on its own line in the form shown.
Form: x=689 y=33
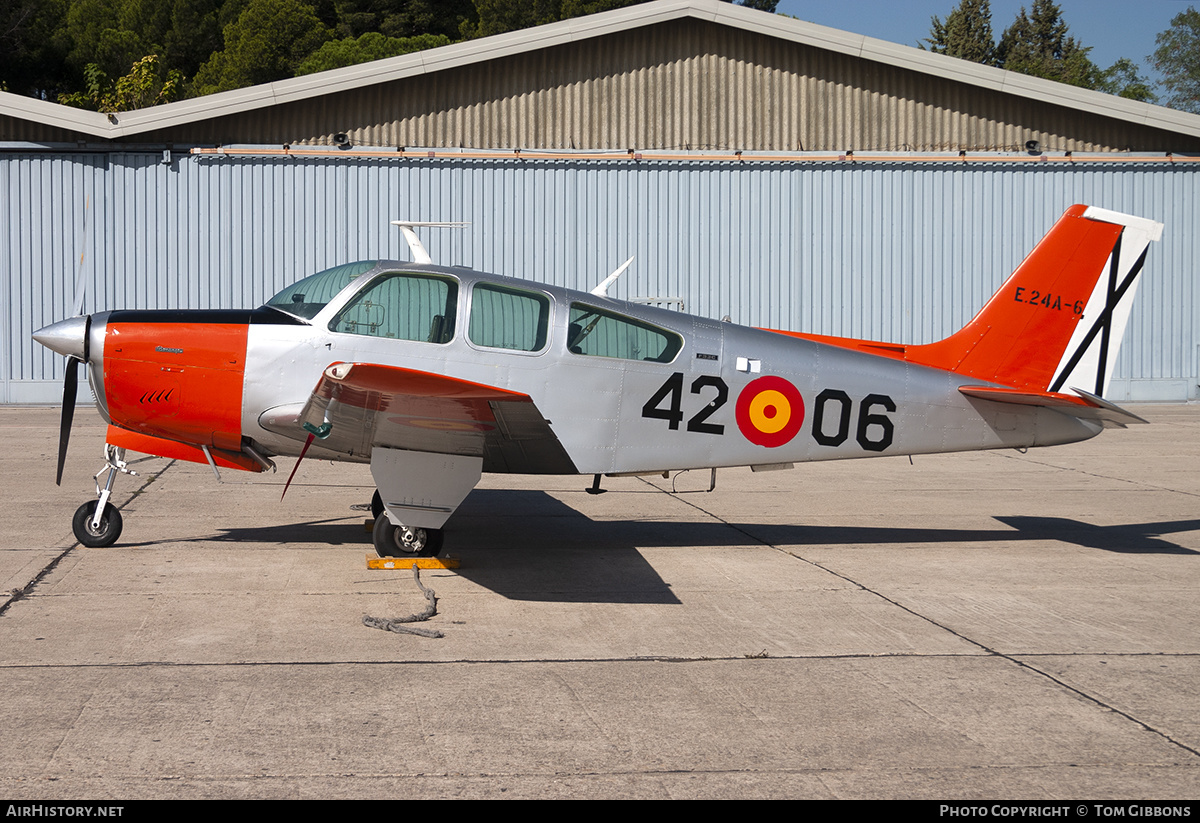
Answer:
x=875 y=431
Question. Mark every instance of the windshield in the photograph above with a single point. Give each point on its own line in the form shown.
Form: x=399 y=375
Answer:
x=307 y=297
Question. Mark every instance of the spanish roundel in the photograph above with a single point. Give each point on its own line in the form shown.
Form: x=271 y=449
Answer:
x=770 y=411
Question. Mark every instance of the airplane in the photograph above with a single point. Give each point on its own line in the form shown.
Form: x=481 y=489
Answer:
x=434 y=375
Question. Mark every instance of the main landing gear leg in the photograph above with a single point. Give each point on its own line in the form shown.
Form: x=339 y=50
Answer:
x=97 y=524
x=418 y=491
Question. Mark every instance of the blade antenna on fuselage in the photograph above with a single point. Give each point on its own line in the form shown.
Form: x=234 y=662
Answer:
x=419 y=254
x=602 y=289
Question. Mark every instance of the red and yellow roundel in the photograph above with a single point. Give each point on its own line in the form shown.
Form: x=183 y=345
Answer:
x=770 y=411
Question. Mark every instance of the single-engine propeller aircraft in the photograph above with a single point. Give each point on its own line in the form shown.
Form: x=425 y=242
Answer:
x=433 y=375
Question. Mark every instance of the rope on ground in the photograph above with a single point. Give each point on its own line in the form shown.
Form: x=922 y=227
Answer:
x=396 y=624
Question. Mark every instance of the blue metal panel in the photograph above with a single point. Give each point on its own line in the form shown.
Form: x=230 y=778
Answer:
x=901 y=251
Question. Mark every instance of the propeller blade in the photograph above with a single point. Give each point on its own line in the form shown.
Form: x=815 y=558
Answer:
x=70 y=392
x=70 y=389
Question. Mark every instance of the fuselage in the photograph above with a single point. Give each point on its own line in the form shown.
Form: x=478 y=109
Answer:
x=623 y=387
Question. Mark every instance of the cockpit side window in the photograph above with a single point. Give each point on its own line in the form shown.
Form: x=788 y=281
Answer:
x=402 y=306
x=504 y=318
x=308 y=296
x=597 y=333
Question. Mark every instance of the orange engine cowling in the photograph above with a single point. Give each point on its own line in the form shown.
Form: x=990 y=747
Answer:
x=176 y=376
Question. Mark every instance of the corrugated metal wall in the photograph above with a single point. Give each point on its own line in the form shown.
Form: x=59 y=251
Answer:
x=901 y=251
x=685 y=84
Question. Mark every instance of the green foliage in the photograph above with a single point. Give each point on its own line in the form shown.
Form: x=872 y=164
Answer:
x=1177 y=59
x=267 y=42
x=351 y=51
x=404 y=18
x=97 y=34
x=499 y=16
x=966 y=34
x=193 y=33
x=1037 y=44
x=1124 y=79
x=146 y=84
x=32 y=57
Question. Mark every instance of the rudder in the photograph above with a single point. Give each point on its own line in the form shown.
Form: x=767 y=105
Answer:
x=1057 y=322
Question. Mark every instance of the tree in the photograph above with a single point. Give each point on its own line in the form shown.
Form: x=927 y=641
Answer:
x=1177 y=59
x=499 y=16
x=1038 y=44
x=98 y=34
x=193 y=35
x=761 y=5
x=146 y=84
x=1123 y=79
x=404 y=18
x=966 y=34
x=351 y=51
x=32 y=57
x=267 y=42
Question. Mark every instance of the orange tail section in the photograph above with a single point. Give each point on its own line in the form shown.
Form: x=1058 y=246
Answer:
x=1056 y=324
x=1018 y=337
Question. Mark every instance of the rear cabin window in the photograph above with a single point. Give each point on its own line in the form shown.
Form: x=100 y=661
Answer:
x=504 y=318
x=402 y=306
x=597 y=333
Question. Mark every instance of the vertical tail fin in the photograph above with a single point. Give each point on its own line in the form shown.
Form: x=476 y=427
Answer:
x=1056 y=324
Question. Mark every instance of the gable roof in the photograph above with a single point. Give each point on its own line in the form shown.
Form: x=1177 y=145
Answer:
x=176 y=118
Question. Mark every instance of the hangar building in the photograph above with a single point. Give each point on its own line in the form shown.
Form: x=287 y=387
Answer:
x=762 y=168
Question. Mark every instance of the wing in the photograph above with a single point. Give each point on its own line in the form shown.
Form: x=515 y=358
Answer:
x=359 y=406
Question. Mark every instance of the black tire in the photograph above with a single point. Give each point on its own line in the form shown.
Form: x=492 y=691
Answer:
x=402 y=541
x=110 y=525
x=376 y=505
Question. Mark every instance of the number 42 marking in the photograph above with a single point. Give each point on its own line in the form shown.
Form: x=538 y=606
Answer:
x=671 y=392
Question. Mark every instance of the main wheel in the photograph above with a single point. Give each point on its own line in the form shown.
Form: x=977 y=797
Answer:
x=405 y=541
x=376 y=505
x=110 y=525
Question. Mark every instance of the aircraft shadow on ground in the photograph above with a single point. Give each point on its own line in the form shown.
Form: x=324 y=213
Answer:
x=1127 y=538
x=528 y=545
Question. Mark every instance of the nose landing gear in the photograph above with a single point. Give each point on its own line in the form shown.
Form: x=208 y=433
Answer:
x=97 y=524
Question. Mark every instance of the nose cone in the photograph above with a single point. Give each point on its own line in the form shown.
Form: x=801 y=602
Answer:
x=65 y=336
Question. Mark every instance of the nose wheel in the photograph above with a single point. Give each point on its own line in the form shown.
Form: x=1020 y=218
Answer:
x=405 y=541
x=107 y=530
x=96 y=523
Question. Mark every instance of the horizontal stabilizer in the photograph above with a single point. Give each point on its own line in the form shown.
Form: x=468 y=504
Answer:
x=1083 y=404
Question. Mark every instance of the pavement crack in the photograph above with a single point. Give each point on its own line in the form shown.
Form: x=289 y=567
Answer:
x=1116 y=478
x=1080 y=693
x=22 y=592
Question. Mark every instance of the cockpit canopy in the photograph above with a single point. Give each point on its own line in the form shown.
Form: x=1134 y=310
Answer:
x=307 y=297
x=424 y=307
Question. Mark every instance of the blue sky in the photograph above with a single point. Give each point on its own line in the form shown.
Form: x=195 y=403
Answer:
x=1113 y=29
